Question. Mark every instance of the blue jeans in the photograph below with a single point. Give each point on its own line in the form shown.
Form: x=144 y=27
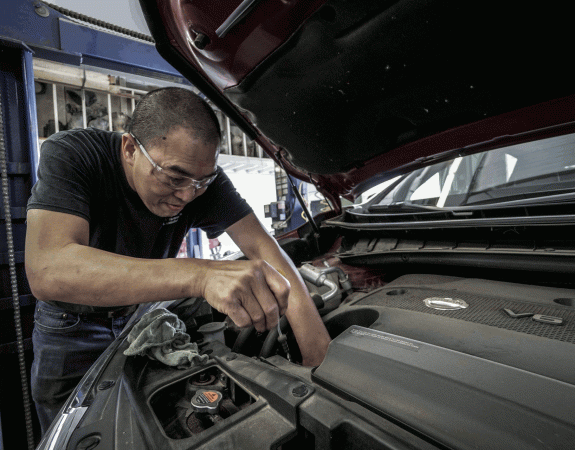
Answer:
x=65 y=346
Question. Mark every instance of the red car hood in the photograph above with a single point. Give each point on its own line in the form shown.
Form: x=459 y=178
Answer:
x=345 y=90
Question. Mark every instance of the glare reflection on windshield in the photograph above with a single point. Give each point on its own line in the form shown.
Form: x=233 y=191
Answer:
x=515 y=172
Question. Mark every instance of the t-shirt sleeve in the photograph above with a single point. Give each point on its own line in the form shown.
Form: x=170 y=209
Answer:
x=63 y=180
x=219 y=207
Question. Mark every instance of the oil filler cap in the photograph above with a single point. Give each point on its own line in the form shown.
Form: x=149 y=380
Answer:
x=206 y=401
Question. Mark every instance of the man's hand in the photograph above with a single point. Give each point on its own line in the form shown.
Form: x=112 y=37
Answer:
x=310 y=332
x=249 y=292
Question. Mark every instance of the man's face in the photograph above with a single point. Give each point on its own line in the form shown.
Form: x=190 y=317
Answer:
x=179 y=153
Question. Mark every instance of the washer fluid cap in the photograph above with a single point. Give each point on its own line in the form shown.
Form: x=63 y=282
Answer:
x=445 y=304
x=213 y=331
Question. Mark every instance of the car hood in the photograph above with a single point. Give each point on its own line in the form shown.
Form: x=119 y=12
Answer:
x=344 y=90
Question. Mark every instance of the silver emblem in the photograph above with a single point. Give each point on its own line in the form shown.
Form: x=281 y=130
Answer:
x=445 y=304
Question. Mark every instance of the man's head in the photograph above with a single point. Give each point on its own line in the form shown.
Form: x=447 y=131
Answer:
x=163 y=109
x=171 y=149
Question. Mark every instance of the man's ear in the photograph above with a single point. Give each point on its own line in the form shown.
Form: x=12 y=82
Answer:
x=128 y=149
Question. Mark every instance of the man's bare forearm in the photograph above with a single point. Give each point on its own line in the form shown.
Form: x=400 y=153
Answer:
x=84 y=275
x=249 y=292
x=61 y=266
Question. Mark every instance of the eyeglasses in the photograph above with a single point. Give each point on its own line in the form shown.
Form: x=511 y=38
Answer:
x=172 y=179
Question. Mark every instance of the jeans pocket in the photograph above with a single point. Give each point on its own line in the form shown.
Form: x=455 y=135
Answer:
x=53 y=320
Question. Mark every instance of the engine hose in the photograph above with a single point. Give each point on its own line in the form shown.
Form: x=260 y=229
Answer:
x=14 y=285
x=242 y=339
x=272 y=338
x=97 y=22
x=283 y=325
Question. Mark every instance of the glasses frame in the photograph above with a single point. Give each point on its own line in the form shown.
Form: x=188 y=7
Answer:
x=197 y=184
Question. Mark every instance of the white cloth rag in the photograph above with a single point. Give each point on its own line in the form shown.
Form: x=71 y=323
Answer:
x=162 y=336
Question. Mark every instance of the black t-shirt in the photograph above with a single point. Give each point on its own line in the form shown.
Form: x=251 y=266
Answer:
x=80 y=173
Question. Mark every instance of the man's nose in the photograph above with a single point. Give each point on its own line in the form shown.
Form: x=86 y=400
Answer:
x=186 y=195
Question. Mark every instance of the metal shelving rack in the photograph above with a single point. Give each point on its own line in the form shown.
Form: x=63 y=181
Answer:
x=55 y=80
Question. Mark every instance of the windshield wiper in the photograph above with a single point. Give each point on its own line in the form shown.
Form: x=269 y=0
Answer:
x=562 y=197
x=405 y=207
x=467 y=210
x=500 y=190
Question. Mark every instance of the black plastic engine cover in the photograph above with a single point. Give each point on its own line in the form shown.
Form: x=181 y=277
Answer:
x=455 y=399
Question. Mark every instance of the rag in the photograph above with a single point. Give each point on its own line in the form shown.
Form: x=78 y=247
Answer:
x=162 y=336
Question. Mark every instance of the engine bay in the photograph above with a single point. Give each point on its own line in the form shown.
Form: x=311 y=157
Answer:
x=423 y=361
x=422 y=356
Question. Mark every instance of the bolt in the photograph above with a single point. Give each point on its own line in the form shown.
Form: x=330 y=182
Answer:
x=201 y=40
x=231 y=357
x=41 y=10
x=203 y=377
x=299 y=391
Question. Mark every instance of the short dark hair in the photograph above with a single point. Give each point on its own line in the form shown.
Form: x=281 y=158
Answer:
x=160 y=110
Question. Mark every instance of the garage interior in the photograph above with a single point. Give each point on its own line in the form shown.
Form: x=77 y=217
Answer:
x=451 y=321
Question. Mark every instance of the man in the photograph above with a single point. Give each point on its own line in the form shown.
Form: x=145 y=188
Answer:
x=105 y=221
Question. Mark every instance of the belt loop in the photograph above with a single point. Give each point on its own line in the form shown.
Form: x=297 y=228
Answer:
x=122 y=312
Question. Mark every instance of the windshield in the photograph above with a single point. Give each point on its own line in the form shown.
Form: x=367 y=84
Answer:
x=521 y=171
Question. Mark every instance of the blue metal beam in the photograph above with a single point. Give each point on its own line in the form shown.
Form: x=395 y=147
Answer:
x=104 y=48
x=61 y=39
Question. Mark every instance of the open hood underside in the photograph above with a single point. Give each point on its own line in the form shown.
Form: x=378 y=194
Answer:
x=350 y=88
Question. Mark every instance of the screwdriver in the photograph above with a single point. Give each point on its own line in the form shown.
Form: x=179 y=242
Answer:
x=282 y=338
